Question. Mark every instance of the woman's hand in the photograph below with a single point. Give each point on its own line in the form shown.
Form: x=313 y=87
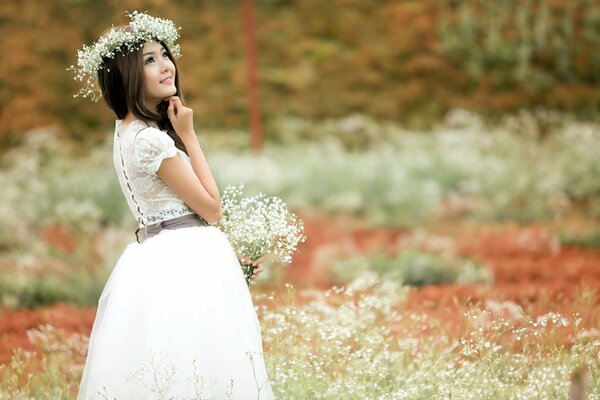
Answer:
x=180 y=117
x=244 y=260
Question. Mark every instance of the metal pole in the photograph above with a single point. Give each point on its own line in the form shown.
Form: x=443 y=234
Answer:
x=253 y=104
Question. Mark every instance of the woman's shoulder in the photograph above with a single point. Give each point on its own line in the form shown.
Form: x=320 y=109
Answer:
x=142 y=135
x=136 y=124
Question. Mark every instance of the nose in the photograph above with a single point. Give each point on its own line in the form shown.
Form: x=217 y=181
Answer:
x=165 y=64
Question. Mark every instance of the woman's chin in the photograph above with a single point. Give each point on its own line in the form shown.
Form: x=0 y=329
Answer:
x=170 y=93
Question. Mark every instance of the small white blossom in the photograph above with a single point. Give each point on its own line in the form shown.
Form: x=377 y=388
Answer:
x=259 y=225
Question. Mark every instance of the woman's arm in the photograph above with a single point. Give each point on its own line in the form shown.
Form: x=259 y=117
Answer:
x=196 y=186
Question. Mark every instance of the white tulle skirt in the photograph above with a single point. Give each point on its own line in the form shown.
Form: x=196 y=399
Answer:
x=176 y=321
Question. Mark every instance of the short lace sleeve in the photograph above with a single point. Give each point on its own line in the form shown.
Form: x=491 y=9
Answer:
x=151 y=146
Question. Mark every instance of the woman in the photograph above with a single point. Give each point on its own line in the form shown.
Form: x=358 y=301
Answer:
x=175 y=319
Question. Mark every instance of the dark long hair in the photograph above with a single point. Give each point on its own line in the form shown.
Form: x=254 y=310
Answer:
x=121 y=80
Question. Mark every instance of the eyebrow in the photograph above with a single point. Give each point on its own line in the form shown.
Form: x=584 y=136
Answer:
x=152 y=52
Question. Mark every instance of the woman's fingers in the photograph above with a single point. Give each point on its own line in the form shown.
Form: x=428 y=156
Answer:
x=181 y=117
x=174 y=99
x=245 y=260
x=259 y=260
x=176 y=105
x=255 y=272
x=177 y=101
x=171 y=110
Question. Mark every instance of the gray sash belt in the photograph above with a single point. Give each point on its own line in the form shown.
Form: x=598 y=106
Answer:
x=174 y=223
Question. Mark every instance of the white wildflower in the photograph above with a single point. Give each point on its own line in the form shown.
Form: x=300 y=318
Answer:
x=259 y=225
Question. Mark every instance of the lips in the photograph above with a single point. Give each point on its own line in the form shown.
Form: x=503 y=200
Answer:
x=167 y=80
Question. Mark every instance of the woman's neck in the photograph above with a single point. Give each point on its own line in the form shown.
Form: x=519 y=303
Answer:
x=129 y=118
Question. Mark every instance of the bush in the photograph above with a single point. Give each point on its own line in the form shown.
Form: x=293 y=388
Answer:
x=415 y=267
x=589 y=239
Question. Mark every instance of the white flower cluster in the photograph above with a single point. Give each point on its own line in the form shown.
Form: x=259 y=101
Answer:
x=259 y=225
x=143 y=28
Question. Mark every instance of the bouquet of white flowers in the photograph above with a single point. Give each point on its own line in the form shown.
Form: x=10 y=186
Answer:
x=259 y=225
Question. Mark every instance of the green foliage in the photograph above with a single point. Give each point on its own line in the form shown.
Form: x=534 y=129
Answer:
x=81 y=287
x=589 y=239
x=406 y=62
x=48 y=183
x=355 y=165
x=37 y=274
x=415 y=267
x=35 y=292
x=533 y=42
x=463 y=168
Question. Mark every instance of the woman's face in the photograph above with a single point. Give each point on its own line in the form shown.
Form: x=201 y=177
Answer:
x=159 y=73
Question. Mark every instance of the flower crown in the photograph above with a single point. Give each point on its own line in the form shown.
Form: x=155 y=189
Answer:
x=143 y=29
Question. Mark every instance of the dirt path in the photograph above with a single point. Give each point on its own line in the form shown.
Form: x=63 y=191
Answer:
x=530 y=267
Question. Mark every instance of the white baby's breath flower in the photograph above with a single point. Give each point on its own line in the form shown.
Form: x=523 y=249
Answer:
x=259 y=225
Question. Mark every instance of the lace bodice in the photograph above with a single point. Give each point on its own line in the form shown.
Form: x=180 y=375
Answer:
x=138 y=150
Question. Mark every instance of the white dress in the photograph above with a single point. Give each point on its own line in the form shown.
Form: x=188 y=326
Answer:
x=175 y=319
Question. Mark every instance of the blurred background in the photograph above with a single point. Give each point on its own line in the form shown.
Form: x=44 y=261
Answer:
x=406 y=62
x=450 y=145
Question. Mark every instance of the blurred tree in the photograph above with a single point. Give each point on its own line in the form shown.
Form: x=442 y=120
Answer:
x=408 y=61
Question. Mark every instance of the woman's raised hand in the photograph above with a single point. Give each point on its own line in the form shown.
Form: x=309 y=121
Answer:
x=180 y=117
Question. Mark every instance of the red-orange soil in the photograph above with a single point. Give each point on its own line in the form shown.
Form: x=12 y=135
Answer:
x=530 y=267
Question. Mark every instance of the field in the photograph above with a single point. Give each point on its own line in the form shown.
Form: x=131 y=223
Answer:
x=444 y=157
x=478 y=283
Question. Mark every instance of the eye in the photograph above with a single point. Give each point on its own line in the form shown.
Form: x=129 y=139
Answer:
x=165 y=54
x=149 y=59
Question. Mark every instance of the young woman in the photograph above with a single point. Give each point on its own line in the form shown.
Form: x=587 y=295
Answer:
x=175 y=319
